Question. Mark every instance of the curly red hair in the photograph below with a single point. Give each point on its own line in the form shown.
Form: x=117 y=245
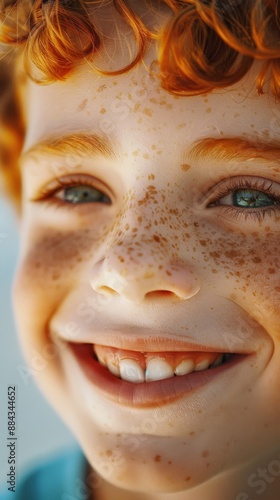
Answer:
x=205 y=45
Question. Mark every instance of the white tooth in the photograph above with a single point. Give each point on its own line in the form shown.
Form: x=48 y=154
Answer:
x=158 y=369
x=202 y=365
x=113 y=369
x=218 y=361
x=131 y=371
x=185 y=367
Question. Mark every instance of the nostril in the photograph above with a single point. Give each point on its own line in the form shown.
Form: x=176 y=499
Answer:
x=107 y=290
x=160 y=294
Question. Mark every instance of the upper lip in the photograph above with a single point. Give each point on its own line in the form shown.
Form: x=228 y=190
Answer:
x=150 y=341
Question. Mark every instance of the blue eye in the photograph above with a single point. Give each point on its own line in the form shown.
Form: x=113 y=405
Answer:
x=251 y=198
x=82 y=194
x=247 y=197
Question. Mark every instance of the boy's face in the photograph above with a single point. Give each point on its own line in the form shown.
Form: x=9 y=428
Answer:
x=168 y=259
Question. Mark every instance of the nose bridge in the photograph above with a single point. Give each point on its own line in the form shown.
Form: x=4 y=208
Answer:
x=141 y=258
x=140 y=229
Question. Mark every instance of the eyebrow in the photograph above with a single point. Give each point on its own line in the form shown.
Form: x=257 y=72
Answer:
x=76 y=143
x=233 y=148
x=223 y=149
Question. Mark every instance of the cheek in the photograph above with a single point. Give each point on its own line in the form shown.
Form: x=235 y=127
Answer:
x=48 y=271
x=246 y=269
x=50 y=258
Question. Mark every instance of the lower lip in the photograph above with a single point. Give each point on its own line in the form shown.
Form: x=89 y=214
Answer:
x=146 y=394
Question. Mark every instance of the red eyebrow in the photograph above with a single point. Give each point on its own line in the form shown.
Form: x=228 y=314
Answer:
x=233 y=148
x=76 y=144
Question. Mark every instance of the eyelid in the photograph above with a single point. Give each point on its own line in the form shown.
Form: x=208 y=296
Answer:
x=54 y=186
x=241 y=182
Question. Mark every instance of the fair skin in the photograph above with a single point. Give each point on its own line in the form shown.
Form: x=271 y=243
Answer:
x=164 y=262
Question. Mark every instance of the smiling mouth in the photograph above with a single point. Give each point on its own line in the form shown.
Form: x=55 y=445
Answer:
x=138 y=367
x=151 y=379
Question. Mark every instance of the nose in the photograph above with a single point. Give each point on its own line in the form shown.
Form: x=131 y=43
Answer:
x=143 y=271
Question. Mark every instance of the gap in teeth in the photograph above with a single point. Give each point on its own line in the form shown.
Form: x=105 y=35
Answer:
x=137 y=367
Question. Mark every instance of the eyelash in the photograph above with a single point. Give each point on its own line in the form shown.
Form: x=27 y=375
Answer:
x=235 y=184
x=48 y=194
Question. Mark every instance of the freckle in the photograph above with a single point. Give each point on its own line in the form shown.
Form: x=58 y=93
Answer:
x=136 y=152
x=120 y=243
x=187 y=478
x=38 y=265
x=103 y=111
x=137 y=106
x=215 y=255
x=82 y=105
x=205 y=453
x=121 y=259
x=271 y=271
x=147 y=111
x=139 y=218
x=55 y=276
x=214 y=271
x=156 y=238
x=146 y=156
x=232 y=254
x=181 y=125
x=169 y=462
x=157 y=458
x=101 y=88
x=256 y=260
x=185 y=167
x=277 y=289
x=168 y=273
x=109 y=453
x=208 y=110
x=148 y=275
x=192 y=433
x=151 y=177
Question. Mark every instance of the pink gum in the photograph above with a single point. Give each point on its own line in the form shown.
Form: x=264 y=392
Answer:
x=113 y=355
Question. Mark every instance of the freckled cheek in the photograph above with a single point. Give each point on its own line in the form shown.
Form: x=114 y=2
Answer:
x=248 y=263
x=257 y=265
x=53 y=264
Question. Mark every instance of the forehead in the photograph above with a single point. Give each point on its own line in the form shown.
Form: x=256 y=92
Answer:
x=121 y=105
x=132 y=109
